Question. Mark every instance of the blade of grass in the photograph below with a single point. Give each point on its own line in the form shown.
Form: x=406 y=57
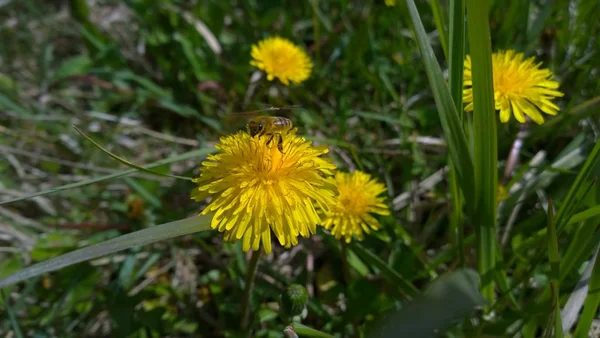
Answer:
x=590 y=306
x=554 y=260
x=177 y=158
x=457 y=53
x=390 y=274
x=582 y=216
x=127 y=163
x=440 y=25
x=142 y=237
x=456 y=57
x=569 y=204
x=11 y=315
x=457 y=141
x=576 y=299
x=485 y=141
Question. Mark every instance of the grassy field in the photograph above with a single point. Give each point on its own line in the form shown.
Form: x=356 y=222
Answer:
x=486 y=227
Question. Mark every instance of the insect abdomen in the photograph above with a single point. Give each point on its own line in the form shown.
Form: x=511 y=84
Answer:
x=283 y=123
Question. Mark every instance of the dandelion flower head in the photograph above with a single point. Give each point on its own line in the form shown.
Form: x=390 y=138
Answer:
x=521 y=88
x=280 y=58
x=254 y=188
x=358 y=199
x=390 y=3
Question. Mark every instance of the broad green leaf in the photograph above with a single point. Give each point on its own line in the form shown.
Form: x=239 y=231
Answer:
x=141 y=237
x=177 y=158
x=449 y=299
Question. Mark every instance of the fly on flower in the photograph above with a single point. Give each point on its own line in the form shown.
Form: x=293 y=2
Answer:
x=274 y=128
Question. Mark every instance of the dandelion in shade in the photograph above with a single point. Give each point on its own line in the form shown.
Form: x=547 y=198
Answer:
x=255 y=189
x=358 y=200
x=521 y=87
x=280 y=58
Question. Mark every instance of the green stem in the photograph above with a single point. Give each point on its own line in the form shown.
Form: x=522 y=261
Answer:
x=248 y=287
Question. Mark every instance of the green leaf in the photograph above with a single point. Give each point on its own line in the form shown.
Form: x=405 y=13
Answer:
x=451 y=124
x=485 y=141
x=177 y=158
x=450 y=298
x=455 y=80
x=127 y=163
x=76 y=65
x=582 y=216
x=142 y=237
x=571 y=201
x=440 y=25
x=11 y=315
x=590 y=307
x=390 y=274
x=7 y=103
x=554 y=259
x=305 y=331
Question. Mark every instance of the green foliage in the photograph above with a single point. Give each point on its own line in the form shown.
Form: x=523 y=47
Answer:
x=155 y=82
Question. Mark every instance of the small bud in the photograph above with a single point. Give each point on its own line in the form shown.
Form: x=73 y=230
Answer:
x=293 y=300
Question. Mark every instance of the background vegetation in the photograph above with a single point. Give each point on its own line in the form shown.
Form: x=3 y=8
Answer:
x=153 y=79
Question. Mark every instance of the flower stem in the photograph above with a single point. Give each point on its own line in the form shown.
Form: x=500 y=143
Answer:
x=248 y=286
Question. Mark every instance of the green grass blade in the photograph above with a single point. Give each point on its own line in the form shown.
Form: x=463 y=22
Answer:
x=305 y=331
x=554 y=259
x=456 y=62
x=569 y=204
x=449 y=118
x=484 y=139
x=177 y=158
x=141 y=237
x=440 y=25
x=127 y=163
x=457 y=52
x=406 y=287
x=11 y=315
x=590 y=305
x=584 y=215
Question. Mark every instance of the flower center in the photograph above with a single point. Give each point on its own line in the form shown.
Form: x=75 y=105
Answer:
x=353 y=201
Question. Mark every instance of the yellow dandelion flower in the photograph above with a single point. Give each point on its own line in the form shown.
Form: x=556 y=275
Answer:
x=520 y=87
x=390 y=3
x=254 y=188
x=280 y=58
x=357 y=200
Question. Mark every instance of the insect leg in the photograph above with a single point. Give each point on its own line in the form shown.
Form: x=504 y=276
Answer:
x=269 y=140
x=280 y=143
